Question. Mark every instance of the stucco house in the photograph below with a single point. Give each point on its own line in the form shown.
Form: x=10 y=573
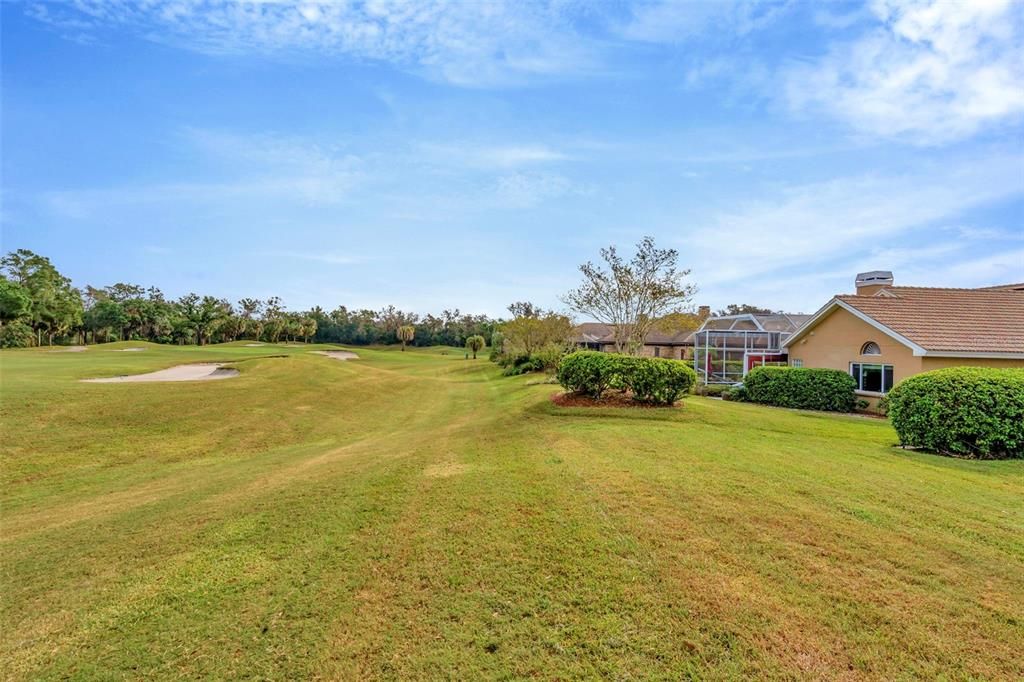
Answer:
x=677 y=345
x=885 y=333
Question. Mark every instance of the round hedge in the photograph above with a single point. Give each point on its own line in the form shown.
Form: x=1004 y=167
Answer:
x=974 y=412
x=654 y=380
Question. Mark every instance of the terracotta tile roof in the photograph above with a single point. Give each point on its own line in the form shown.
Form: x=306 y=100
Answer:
x=966 y=320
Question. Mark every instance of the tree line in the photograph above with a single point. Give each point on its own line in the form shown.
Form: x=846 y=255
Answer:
x=633 y=297
x=40 y=306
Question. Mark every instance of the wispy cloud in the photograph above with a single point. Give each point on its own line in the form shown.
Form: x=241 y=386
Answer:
x=672 y=21
x=491 y=156
x=929 y=72
x=845 y=218
x=327 y=258
x=249 y=167
x=466 y=43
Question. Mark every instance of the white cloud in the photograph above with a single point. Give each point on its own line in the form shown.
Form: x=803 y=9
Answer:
x=932 y=72
x=466 y=43
x=674 y=21
x=488 y=156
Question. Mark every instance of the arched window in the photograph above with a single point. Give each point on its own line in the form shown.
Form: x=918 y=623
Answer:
x=870 y=348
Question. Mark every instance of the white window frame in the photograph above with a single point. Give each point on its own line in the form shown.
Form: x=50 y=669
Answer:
x=860 y=379
x=796 y=362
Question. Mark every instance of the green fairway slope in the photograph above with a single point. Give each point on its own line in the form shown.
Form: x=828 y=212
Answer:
x=416 y=516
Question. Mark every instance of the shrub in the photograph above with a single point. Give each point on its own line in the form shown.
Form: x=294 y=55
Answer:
x=803 y=388
x=712 y=390
x=590 y=372
x=965 y=411
x=16 y=334
x=737 y=393
x=653 y=380
x=658 y=380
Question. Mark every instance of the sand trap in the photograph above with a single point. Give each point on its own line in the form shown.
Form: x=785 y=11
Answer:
x=126 y=350
x=203 y=372
x=254 y=345
x=69 y=349
x=337 y=354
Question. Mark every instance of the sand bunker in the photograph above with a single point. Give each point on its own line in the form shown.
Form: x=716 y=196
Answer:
x=69 y=349
x=199 y=372
x=126 y=350
x=254 y=345
x=337 y=354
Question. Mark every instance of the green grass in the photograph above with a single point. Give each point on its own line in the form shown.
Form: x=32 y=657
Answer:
x=416 y=516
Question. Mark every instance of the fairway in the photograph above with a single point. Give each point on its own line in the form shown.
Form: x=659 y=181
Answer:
x=414 y=515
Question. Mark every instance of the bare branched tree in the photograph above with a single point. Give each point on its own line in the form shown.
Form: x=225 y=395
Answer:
x=631 y=296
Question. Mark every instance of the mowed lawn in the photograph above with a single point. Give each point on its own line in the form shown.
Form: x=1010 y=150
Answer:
x=416 y=516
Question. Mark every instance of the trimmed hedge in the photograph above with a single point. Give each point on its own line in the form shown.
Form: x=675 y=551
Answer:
x=974 y=412
x=658 y=380
x=804 y=388
x=654 y=380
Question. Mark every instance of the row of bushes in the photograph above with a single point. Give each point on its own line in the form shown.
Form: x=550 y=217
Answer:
x=975 y=412
x=831 y=390
x=514 y=364
x=653 y=380
x=964 y=411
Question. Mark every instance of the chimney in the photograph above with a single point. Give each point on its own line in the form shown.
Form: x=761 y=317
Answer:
x=704 y=312
x=870 y=283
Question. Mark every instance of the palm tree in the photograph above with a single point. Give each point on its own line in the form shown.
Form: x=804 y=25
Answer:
x=406 y=333
x=475 y=343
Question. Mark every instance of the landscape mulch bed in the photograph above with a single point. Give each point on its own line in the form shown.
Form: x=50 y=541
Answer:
x=611 y=400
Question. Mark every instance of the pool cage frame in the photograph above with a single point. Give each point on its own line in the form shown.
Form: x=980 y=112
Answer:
x=724 y=354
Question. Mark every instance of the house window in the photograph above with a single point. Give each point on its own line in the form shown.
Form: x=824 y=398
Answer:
x=657 y=351
x=870 y=348
x=872 y=378
x=796 y=363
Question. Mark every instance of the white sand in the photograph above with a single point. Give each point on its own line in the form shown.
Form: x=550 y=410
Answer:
x=126 y=350
x=198 y=372
x=254 y=345
x=337 y=354
x=70 y=349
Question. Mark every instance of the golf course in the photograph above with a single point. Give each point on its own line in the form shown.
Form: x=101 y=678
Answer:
x=415 y=515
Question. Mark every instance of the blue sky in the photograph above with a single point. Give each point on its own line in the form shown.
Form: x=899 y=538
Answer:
x=441 y=155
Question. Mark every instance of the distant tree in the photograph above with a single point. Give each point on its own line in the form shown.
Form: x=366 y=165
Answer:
x=406 y=333
x=251 y=308
x=475 y=343
x=15 y=303
x=541 y=329
x=55 y=305
x=308 y=326
x=524 y=309
x=744 y=309
x=273 y=316
x=107 y=315
x=632 y=296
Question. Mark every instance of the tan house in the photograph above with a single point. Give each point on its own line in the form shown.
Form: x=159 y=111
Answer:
x=677 y=345
x=885 y=333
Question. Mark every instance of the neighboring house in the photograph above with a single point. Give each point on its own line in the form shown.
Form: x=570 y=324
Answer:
x=658 y=344
x=885 y=333
x=729 y=346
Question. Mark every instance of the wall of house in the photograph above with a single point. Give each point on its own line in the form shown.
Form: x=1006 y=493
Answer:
x=836 y=342
x=837 y=339
x=928 y=363
x=671 y=352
